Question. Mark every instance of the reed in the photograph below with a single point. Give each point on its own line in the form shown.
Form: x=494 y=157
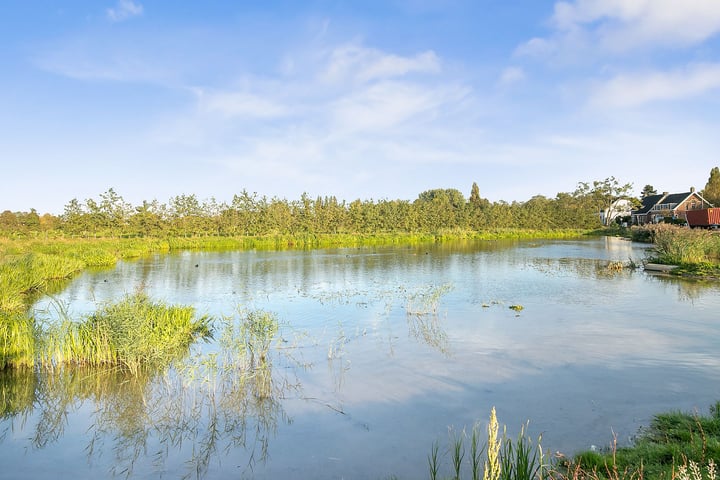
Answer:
x=134 y=332
x=29 y=273
x=522 y=459
x=18 y=335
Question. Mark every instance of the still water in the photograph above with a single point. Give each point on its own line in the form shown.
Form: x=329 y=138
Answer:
x=381 y=352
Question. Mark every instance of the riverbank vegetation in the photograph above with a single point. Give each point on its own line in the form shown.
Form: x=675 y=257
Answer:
x=675 y=446
x=695 y=251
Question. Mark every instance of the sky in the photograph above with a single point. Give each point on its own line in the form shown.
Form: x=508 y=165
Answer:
x=366 y=99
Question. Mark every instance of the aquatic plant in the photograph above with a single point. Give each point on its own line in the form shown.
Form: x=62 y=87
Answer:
x=426 y=300
x=133 y=332
x=492 y=465
x=505 y=459
x=17 y=340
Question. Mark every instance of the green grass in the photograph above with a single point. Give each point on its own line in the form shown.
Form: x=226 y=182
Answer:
x=18 y=335
x=674 y=245
x=31 y=272
x=675 y=446
x=670 y=442
x=133 y=332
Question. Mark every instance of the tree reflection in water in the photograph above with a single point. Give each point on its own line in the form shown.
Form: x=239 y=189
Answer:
x=196 y=410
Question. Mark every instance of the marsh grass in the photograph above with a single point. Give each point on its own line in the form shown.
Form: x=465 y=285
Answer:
x=31 y=272
x=505 y=459
x=426 y=300
x=134 y=332
x=665 y=450
x=675 y=245
x=18 y=334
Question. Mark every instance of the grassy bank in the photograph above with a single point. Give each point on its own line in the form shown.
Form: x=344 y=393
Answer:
x=675 y=446
x=28 y=266
x=695 y=251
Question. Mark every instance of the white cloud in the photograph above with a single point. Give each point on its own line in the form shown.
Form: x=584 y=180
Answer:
x=359 y=64
x=511 y=75
x=123 y=10
x=619 y=26
x=239 y=104
x=388 y=104
x=629 y=90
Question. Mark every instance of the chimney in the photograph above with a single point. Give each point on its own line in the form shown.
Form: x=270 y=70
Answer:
x=692 y=189
x=666 y=194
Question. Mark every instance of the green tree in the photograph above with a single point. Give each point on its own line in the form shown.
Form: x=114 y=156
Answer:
x=712 y=187
x=114 y=211
x=475 y=194
x=8 y=222
x=74 y=219
x=602 y=194
x=647 y=191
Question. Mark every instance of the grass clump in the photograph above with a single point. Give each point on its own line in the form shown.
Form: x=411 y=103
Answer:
x=17 y=340
x=676 y=445
x=31 y=272
x=675 y=245
x=133 y=332
x=505 y=459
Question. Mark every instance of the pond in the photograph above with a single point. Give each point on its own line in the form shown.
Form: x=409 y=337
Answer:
x=381 y=351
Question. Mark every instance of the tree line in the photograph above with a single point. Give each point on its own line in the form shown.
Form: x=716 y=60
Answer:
x=251 y=214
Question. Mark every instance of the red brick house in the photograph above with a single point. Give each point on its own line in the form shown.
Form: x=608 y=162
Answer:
x=656 y=208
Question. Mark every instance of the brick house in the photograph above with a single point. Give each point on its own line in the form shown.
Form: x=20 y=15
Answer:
x=656 y=208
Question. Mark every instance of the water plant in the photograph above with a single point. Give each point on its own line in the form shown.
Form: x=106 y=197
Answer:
x=426 y=300
x=505 y=459
x=133 y=332
x=18 y=335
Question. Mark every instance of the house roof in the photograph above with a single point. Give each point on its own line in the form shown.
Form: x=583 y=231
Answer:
x=675 y=198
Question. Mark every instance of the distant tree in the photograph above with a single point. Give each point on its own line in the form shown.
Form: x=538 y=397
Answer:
x=8 y=221
x=74 y=219
x=48 y=222
x=29 y=221
x=647 y=191
x=441 y=208
x=474 y=194
x=712 y=187
x=452 y=196
x=602 y=194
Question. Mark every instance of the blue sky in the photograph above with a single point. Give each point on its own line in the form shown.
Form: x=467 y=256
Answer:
x=357 y=99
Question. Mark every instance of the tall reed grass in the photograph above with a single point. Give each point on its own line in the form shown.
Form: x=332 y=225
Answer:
x=18 y=335
x=134 y=332
x=680 y=245
x=505 y=459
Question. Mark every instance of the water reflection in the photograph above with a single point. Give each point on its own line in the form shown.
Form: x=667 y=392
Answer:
x=364 y=349
x=194 y=413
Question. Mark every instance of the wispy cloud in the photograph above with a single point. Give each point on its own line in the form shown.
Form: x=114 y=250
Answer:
x=511 y=75
x=630 y=90
x=124 y=10
x=356 y=63
x=621 y=26
x=239 y=104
